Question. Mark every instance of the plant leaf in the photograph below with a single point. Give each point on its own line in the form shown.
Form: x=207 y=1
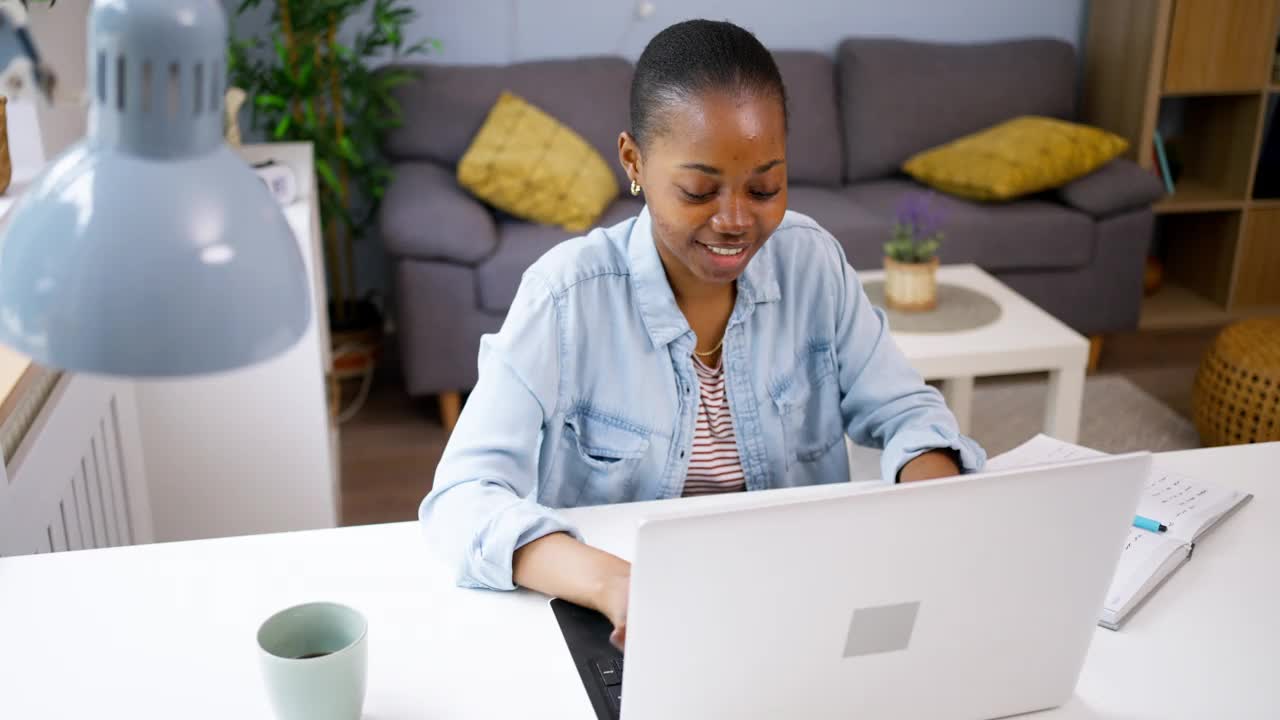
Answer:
x=326 y=174
x=282 y=127
x=349 y=151
x=266 y=101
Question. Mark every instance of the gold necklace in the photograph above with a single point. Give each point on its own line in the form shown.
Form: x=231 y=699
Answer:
x=710 y=352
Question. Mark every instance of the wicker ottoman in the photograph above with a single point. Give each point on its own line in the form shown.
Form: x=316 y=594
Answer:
x=1237 y=392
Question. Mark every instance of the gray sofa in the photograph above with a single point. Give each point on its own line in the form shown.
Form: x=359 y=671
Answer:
x=1078 y=252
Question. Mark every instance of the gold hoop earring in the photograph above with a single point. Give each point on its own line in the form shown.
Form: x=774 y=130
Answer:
x=635 y=188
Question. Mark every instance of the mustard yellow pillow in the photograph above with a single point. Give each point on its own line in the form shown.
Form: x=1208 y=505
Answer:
x=1018 y=157
x=526 y=163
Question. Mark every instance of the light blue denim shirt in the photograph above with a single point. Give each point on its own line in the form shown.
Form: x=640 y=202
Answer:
x=588 y=393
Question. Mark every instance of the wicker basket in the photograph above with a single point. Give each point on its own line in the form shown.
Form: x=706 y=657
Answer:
x=1236 y=398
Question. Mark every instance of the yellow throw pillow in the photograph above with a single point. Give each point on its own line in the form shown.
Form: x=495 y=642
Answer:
x=1018 y=157
x=526 y=163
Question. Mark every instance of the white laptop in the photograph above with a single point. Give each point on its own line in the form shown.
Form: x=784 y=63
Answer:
x=972 y=597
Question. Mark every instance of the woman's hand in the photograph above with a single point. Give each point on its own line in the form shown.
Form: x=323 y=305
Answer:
x=560 y=566
x=930 y=465
x=611 y=601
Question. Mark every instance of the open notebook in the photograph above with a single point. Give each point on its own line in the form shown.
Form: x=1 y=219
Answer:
x=1188 y=506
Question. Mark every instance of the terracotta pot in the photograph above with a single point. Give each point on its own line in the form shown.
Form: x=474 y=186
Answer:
x=357 y=340
x=6 y=165
x=1152 y=276
x=911 y=287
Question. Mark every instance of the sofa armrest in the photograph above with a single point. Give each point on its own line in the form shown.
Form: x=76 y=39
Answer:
x=426 y=215
x=1118 y=186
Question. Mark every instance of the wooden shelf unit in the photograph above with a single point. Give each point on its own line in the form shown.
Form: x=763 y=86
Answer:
x=1174 y=307
x=1212 y=61
x=1191 y=195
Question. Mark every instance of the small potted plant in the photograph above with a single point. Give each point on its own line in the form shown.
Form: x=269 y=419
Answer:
x=910 y=256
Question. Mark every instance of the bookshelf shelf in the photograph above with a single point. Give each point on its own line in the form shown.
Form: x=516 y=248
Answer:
x=1200 y=71
x=1195 y=196
x=1174 y=306
x=1220 y=92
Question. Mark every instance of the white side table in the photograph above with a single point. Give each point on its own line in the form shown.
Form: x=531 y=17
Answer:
x=1023 y=339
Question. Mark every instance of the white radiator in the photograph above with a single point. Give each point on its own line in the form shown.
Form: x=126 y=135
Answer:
x=77 y=480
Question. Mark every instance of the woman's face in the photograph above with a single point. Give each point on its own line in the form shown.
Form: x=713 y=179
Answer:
x=715 y=181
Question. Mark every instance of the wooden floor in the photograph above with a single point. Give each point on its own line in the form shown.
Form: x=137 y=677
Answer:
x=390 y=449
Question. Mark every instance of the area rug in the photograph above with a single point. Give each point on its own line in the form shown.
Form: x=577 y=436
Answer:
x=1117 y=416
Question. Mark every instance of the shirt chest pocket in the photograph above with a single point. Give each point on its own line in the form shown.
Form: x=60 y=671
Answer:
x=808 y=403
x=600 y=456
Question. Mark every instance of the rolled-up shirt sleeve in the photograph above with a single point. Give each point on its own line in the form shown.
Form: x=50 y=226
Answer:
x=483 y=503
x=884 y=401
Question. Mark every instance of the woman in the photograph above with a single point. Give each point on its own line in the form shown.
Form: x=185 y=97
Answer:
x=714 y=343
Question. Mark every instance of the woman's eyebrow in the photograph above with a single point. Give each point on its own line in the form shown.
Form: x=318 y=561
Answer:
x=701 y=168
x=709 y=170
x=768 y=166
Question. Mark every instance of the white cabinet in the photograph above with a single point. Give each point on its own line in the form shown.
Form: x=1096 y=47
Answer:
x=253 y=450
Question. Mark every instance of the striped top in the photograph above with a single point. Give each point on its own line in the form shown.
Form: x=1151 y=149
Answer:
x=714 y=466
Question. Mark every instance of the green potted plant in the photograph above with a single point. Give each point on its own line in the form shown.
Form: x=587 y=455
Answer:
x=305 y=85
x=910 y=256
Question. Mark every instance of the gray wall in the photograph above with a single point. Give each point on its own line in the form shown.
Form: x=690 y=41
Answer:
x=489 y=31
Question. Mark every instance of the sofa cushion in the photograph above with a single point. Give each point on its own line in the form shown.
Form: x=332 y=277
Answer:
x=526 y=163
x=1024 y=234
x=814 y=154
x=1018 y=157
x=860 y=232
x=899 y=97
x=445 y=106
x=521 y=243
x=1116 y=187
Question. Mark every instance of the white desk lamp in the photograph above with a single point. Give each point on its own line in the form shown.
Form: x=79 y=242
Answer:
x=148 y=249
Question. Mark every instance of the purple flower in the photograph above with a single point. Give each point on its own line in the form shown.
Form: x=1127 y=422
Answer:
x=920 y=214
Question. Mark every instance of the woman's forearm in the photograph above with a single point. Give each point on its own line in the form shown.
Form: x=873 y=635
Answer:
x=563 y=567
x=930 y=465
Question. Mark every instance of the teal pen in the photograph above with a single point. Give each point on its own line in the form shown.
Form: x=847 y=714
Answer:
x=1147 y=523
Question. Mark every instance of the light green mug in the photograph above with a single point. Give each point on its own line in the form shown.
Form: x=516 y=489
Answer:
x=314 y=661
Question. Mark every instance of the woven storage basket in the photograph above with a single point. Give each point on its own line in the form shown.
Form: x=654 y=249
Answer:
x=1236 y=398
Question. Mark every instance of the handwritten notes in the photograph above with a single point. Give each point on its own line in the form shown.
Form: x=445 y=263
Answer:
x=1041 y=450
x=1187 y=506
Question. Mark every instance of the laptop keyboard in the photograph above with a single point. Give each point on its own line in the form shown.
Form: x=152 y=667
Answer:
x=610 y=673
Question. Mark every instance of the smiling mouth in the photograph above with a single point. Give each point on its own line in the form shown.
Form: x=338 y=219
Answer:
x=725 y=250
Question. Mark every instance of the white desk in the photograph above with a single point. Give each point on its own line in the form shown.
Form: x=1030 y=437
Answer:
x=1023 y=339
x=167 y=631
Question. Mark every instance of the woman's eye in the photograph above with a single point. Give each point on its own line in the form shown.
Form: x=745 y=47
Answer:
x=696 y=197
x=763 y=195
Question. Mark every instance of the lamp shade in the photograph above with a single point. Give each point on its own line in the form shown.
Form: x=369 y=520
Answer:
x=150 y=249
